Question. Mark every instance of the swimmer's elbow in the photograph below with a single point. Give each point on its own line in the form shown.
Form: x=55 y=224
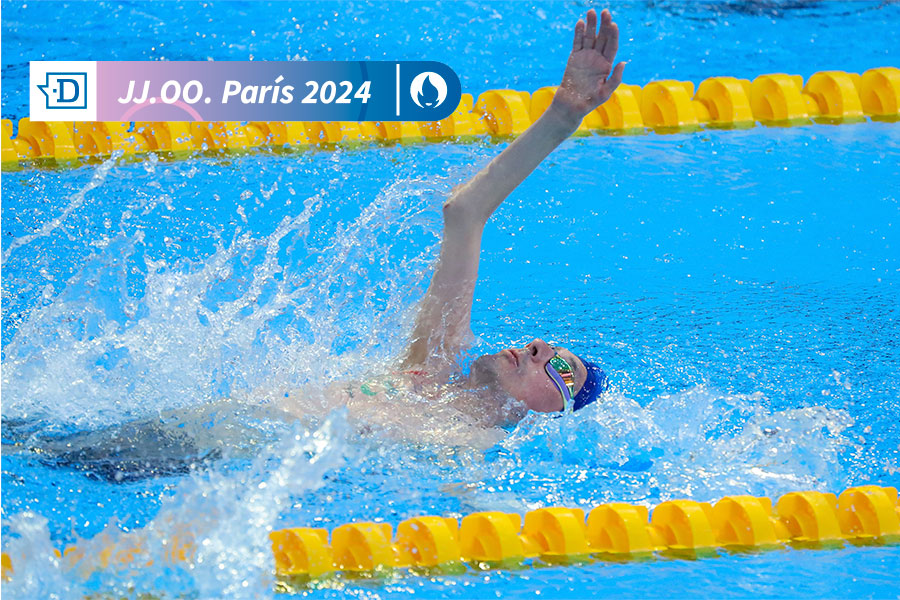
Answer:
x=461 y=211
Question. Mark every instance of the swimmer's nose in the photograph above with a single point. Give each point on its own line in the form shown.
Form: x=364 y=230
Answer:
x=540 y=350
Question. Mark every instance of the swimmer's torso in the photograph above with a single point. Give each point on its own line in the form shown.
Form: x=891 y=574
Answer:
x=413 y=404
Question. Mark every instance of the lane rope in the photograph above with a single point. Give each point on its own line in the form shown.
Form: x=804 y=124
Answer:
x=861 y=515
x=667 y=106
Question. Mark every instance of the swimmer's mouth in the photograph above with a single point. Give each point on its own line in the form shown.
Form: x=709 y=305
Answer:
x=515 y=358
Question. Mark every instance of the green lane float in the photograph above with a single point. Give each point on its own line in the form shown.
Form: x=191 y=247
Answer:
x=667 y=106
x=555 y=535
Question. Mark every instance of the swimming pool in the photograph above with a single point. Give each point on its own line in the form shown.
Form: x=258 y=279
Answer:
x=740 y=286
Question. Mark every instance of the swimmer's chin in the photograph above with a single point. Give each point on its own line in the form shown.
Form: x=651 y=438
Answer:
x=497 y=406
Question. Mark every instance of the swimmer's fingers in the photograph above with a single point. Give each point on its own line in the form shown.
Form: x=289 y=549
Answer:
x=590 y=32
x=613 y=81
x=609 y=36
x=578 y=43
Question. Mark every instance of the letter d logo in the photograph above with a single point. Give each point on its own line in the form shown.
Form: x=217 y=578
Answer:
x=65 y=90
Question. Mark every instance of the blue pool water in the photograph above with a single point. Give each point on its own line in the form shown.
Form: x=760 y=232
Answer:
x=739 y=286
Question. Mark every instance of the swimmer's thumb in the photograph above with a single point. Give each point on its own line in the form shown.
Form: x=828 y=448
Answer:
x=616 y=78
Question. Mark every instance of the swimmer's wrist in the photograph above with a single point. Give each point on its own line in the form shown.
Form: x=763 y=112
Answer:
x=566 y=118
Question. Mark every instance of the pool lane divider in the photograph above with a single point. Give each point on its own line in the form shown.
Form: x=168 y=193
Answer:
x=666 y=106
x=615 y=532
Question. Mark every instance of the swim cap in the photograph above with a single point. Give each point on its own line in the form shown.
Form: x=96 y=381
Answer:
x=596 y=383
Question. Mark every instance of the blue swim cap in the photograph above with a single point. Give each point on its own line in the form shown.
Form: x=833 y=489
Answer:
x=596 y=383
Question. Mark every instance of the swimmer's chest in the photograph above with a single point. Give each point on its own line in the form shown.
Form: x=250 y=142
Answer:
x=389 y=385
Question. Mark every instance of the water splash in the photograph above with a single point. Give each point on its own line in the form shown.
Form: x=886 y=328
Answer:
x=257 y=316
x=700 y=443
x=224 y=516
x=76 y=200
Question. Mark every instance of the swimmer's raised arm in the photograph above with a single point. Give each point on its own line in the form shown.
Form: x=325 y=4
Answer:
x=588 y=82
x=442 y=324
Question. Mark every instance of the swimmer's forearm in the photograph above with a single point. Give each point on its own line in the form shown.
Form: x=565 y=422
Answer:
x=491 y=186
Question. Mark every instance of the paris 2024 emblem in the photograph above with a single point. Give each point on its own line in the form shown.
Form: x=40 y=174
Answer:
x=428 y=90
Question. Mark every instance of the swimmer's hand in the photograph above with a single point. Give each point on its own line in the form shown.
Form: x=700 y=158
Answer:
x=590 y=79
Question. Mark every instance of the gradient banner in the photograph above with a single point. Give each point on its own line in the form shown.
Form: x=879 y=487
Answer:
x=242 y=91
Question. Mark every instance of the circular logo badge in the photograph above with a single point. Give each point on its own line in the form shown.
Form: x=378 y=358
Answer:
x=428 y=90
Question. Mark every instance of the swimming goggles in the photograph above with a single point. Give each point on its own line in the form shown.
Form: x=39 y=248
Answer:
x=563 y=375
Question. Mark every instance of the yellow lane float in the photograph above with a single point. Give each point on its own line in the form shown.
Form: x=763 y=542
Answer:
x=861 y=515
x=666 y=106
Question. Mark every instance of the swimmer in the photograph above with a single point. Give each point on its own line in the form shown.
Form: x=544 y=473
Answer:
x=539 y=377
x=459 y=410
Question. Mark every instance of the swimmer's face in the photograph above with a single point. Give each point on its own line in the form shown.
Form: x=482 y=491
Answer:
x=521 y=373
